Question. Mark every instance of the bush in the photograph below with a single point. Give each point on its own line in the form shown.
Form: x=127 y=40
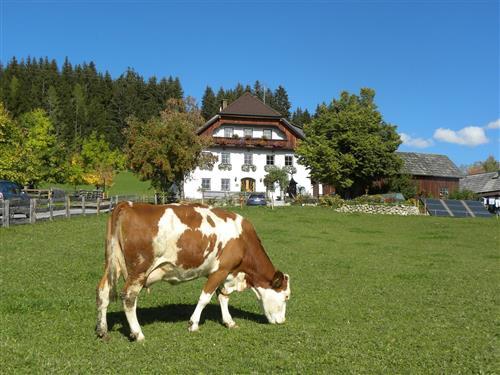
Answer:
x=368 y=199
x=302 y=199
x=334 y=201
x=463 y=194
x=403 y=184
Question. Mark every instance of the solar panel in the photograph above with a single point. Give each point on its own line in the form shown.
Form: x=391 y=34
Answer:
x=478 y=209
x=457 y=208
x=435 y=207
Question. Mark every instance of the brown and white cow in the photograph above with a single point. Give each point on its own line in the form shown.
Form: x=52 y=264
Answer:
x=177 y=243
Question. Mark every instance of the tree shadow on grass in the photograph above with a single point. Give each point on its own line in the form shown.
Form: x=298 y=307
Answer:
x=175 y=313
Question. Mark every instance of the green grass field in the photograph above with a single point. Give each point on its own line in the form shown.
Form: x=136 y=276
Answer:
x=370 y=294
x=125 y=183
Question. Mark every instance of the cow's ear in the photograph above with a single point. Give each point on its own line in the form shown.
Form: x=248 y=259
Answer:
x=277 y=280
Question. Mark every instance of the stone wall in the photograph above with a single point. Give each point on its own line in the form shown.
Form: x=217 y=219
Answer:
x=380 y=209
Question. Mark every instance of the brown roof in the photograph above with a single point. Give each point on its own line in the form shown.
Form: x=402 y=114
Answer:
x=482 y=182
x=249 y=105
x=418 y=164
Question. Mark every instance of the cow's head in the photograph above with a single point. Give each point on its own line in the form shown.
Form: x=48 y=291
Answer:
x=274 y=298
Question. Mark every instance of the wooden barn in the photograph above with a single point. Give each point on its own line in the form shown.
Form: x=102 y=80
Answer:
x=436 y=175
x=484 y=184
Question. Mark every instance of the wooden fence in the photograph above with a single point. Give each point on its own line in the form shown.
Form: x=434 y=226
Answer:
x=35 y=209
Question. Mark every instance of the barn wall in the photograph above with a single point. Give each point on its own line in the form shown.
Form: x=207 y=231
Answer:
x=430 y=186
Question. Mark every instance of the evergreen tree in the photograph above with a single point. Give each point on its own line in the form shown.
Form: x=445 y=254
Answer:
x=280 y=102
x=258 y=90
x=301 y=118
x=209 y=105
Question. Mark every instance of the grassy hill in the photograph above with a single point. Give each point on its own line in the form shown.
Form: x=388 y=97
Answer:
x=125 y=183
x=370 y=294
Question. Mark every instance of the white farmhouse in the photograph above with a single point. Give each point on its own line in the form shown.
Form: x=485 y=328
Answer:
x=248 y=137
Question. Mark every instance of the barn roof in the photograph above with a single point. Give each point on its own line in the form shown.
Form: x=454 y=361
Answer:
x=481 y=183
x=419 y=164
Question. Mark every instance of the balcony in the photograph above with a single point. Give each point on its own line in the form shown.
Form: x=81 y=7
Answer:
x=250 y=142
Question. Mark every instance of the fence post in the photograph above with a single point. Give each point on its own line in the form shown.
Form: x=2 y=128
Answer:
x=32 y=211
x=98 y=205
x=83 y=205
x=6 y=214
x=51 y=209
x=68 y=206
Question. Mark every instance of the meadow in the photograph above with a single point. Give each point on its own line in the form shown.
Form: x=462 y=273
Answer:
x=370 y=294
x=125 y=183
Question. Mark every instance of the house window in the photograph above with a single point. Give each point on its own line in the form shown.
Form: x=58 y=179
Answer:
x=225 y=184
x=248 y=132
x=443 y=192
x=228 y=132
x=289 y=160
x=270 y=159
x=248 y=158
x=267 y=134
x=205 y=183
x=225 y=158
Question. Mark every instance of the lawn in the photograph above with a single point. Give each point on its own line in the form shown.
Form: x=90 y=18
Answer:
x=125 y=183
x=370 y=294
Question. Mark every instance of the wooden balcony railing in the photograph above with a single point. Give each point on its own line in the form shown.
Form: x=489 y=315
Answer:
x=250 y=142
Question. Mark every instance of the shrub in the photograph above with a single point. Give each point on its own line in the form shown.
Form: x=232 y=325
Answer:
x=368 y=199
x=302 y=199
x=463 y=194
x=334 y=201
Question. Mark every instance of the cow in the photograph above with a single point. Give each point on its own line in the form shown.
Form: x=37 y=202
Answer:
x=180 y=242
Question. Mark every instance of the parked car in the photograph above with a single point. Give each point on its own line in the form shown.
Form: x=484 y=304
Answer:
x=18 y=199
x=257 y=199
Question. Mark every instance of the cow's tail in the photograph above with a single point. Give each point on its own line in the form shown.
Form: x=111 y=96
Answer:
x=115 y=262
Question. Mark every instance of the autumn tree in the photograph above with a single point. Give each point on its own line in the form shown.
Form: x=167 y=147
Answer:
x=166 y=149
x=10 y=148
x=96 y=164
x=42 y=155
x=349 y=145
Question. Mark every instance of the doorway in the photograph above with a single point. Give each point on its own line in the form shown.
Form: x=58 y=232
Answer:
x=248 y=185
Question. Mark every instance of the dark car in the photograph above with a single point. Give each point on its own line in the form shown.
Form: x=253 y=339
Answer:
x=257 y=199
x=18 y=199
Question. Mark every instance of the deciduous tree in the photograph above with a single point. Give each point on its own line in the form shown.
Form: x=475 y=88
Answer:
x=166 y=149
x=349 y=145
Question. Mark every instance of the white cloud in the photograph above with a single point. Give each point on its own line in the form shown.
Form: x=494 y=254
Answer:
x=415 y=142
x=494 y=125
x=468 y=136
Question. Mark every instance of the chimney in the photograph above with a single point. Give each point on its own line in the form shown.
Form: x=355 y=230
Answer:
x=223 y=104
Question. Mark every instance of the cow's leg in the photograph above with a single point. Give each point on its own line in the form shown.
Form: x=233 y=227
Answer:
x=214 y=280
x=223 y=298
x=102 y=302
x=129 y=297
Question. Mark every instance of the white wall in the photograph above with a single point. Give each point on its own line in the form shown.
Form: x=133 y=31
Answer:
x=193 y=183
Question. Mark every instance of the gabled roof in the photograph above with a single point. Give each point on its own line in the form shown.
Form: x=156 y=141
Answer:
x=481 y=183
x=249 y=105
x=418 y=164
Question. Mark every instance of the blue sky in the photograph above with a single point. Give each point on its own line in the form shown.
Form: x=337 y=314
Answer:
x=434 y=64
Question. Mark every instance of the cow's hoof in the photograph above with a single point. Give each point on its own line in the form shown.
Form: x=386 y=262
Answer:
x=137 y=336
x=192 y=327
x=231 y=325
x=101 y=332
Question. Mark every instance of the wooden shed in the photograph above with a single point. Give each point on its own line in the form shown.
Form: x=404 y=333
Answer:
x=436 y=175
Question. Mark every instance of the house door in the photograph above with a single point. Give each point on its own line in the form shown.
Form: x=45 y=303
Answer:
x=247 y=185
